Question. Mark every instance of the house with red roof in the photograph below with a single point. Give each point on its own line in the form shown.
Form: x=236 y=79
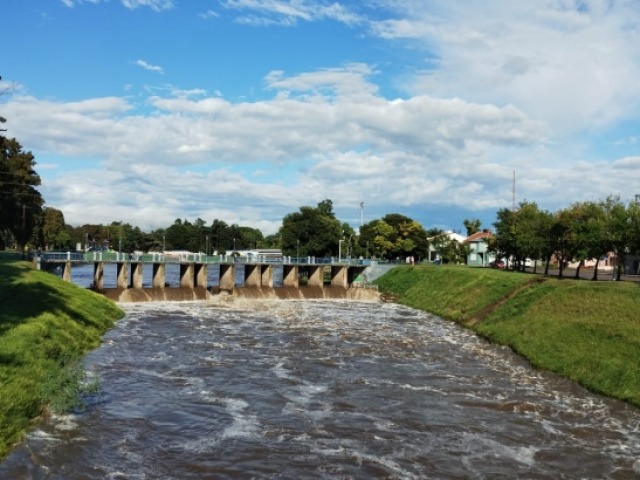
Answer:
x=479 y=255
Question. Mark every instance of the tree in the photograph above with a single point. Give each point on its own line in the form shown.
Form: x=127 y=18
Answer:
x=54 y=234
x=20 y=202
x=588 y=226
x=472 y=226
x=449 y=249
x=619 y=228
x=311 y=231
x=504 y=242
x=394 y=236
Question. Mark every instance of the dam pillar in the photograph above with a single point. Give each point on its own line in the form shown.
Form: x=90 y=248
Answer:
x=136 y=275
x=251 y=275
x=266 y=275
x=290 y=276
x=339 y=276
x=227 y=277
x=159 y=275
x=201 y=274
x=186 y=275
x=122 y=275
x=66 y=271
x=316 y=276
x=98 y=275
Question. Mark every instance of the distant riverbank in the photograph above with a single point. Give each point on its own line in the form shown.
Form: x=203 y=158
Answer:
x=46 y=326
x=586 y=331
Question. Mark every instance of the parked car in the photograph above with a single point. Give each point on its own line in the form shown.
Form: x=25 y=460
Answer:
x=497 y=264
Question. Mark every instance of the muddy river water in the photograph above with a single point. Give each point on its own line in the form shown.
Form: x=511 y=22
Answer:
x=322 y=389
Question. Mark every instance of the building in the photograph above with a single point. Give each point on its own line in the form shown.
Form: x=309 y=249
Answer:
x=479 y=255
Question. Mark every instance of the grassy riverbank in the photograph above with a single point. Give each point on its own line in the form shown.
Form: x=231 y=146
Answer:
x=586 y=331
x=46 y=325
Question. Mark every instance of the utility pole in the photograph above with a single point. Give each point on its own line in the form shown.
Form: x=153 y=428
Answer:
x=513 y=193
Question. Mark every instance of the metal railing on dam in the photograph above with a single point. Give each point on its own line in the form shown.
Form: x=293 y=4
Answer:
x=194 y=270
x=114 y=257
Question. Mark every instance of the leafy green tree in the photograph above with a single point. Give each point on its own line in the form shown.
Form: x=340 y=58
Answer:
x=562 y=237
x=504 y=243
x=449 y=250
x=55 y=236
x=20 y=202
x=620 y=230
x=588 y=226
x=394 y=236
x=311 y=231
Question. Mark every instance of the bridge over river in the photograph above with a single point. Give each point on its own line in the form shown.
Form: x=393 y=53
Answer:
x=195 y=270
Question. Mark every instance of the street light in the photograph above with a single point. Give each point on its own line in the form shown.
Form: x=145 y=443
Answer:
x=340 y=250
x=298 y=251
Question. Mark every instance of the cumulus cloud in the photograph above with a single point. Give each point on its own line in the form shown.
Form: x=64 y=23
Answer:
x=571 y=64
x=322 y=134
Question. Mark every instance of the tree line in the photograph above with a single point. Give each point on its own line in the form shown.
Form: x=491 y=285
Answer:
x=583 y=231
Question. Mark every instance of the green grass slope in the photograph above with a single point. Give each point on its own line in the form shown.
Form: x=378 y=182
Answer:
x=586 y=331
x=46 y=325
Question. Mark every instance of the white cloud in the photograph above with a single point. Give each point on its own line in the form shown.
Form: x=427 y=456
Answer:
x=290 y=12
x=571 y=64
x=323 y=134
x=148 y=66
x=157 y=5
x=209 y=14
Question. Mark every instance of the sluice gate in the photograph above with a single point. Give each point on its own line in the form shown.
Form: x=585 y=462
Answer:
x=192 y=275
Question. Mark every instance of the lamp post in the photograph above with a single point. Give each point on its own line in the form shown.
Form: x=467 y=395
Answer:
x=298 y=251
x=340 y=250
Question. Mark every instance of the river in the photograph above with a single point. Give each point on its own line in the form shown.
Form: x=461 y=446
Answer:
x=329 y=390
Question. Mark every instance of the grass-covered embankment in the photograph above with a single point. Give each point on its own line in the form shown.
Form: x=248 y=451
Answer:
x=586 y=331
x=46 y=325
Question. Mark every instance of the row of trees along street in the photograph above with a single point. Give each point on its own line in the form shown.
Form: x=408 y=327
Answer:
x=582 y=231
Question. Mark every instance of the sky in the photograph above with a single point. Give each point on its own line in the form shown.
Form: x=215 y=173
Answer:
x=148 y=111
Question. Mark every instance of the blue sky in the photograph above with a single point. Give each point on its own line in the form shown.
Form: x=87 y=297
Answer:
x=147 y=111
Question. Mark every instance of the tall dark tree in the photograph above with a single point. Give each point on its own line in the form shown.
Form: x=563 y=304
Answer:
x=20 y=202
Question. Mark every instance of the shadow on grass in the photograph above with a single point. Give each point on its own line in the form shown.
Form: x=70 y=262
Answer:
x=25 y=294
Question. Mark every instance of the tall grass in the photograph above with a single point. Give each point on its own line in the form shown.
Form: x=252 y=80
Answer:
x=586 y=331
x=46 y=325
